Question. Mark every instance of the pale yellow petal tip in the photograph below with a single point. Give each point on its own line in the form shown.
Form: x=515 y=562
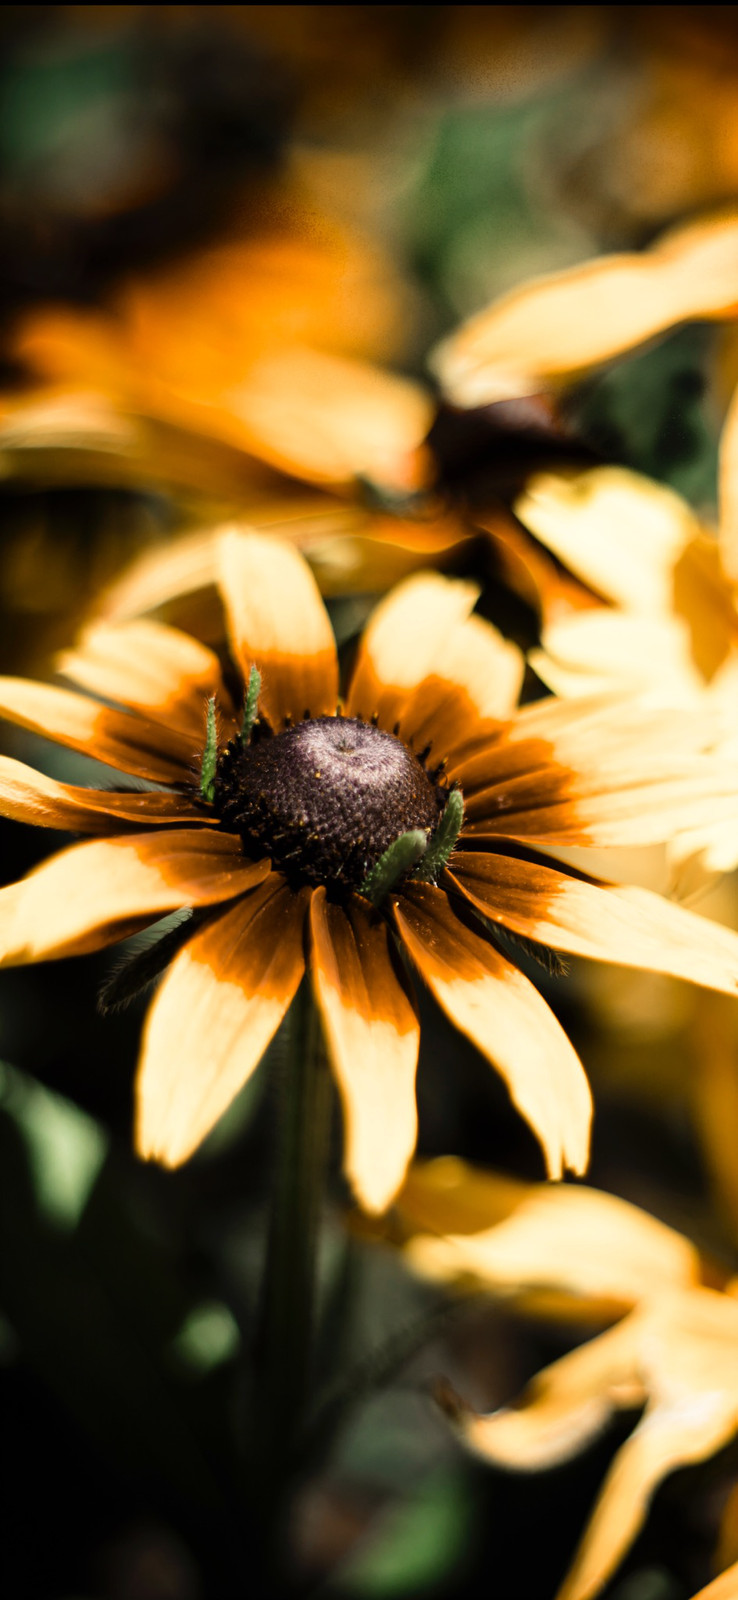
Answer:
x=374 y=1192
x=157 y=1144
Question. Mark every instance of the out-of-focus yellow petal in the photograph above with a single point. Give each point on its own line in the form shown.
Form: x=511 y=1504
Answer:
x=616 y=530
x=723 y=1588
x=348 y=547
x=565 y=1406
x=603 y=650
x=500 y=1011
x=277 y=621
x=565 y=1246
x=728 y=491
x=373 y=1036
x=329 y=420
x=559 y=325
x=676 y=1351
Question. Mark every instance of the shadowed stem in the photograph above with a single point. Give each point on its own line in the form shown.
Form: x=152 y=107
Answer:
x=285 y=1346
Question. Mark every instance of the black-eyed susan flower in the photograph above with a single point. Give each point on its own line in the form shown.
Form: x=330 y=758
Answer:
x=398 y=829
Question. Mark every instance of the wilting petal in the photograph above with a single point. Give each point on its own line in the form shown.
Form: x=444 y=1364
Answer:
x=277 y=621
x=560 y=324
x=150 y=668
x=496 y=1007
x=373 y=1036
x=403 y=642
x=619 y=532
x=218 y=1007
x=631 y=927
x=29 y=796
x=472 y=686
x=98 y=892
x=133 y=744
x=560 y=1246
x=330 y=420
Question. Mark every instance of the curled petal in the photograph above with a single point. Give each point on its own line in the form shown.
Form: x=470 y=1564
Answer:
x=98 y=892
x=373 y=1036
x=277 y=621
x=506 y=1018
x=210 y=1023
x=566 y=1406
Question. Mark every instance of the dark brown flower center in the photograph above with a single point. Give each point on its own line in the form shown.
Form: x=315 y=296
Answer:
x=326 y=798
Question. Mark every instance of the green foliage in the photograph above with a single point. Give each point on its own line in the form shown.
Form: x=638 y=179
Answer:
x=419 y=1544
x=647 y=410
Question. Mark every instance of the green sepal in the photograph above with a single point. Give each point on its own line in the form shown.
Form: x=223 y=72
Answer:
x=402 y=854
x=210 y=755
x=444 y=839
x=251 y=704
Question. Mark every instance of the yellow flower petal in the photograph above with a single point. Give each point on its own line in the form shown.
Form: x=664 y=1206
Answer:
x=617 y=652
x=629 y=926
x=373 y=1035
x=561 y=324
x=29 y=796
x=723 y=1588
x=403 y=642
x=150 y=668
x=98 y=892
x=506 y=1018
x=475 y=683
x=136 y=745
x=277 y=621
x=616 y=530
x=559 y=1246
x=328 y=419
x=221 y=1002
x=728 y=491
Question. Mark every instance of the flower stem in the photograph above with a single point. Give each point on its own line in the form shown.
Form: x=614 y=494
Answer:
x=285 y=1344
